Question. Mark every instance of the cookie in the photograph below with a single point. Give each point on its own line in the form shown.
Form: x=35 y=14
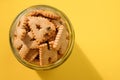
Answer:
x=60 y=37
x=30 y=41
x=32 y=54
x=20 y=32
x=21 y=47
x=56 y=23
x=42 y=29
x=23 y=51
x=31 y=35
x=36 y=62
x=47 y=56
x=22 y=27
x=63 y=47
x=59 y=55
x=18 y=43
x=44 y=13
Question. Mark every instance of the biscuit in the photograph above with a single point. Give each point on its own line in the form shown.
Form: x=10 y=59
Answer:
x=63 y=47
x=32 y=54
x=56 y=23
x=47 y=56
x=30 y=41
x=23 y=51
x=36 y=62
x=30 y=34
x=59 y=54
x=27 y=49
x=20 y=32
x=44 y=13
x=60 y=37
x=23 y=21
x=18 y=43
x=21 y=47
x=42 y=29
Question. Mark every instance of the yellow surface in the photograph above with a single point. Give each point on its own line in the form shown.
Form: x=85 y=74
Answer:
x=96 y=54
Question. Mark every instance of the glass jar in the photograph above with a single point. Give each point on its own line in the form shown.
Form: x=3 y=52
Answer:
x=70 y=44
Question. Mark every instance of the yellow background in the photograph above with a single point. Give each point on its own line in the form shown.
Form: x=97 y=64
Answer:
x=96 y=54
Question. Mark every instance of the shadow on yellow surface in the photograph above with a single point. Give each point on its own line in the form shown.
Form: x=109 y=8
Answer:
x=77 y=67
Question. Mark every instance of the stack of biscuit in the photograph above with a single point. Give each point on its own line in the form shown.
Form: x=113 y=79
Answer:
x=41 y=37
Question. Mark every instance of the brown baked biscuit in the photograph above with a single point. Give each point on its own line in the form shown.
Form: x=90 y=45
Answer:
x=44 y=13
x=56 y=23
x=31 y=35
x=32 y=54
x=59 y=54
x=23 y=51
x=36 y=62
x=42 y=29
x=21 y=47
x=22 y=21
x=60 y=37
x=30 y=41
x=21 y=28
x=20 y=32
x=63 y=47
x=47 y=56
x=17 y=43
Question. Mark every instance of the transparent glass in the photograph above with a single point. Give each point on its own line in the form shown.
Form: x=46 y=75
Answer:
x=68 y=50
